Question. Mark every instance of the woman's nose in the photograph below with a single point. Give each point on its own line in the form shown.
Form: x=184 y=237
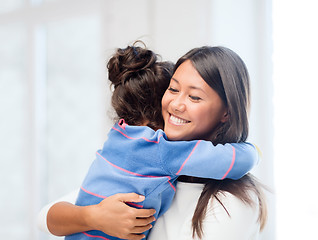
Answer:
x=178 y=104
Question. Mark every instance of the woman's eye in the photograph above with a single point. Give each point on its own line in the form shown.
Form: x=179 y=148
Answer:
x=195 y=98
x=172 y=90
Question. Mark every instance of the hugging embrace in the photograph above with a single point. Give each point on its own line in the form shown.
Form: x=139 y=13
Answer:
x=176 y=162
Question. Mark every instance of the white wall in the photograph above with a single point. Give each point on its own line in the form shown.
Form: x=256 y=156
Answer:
x=296 y=115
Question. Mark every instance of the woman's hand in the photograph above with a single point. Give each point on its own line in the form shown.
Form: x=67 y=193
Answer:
x=112 y=216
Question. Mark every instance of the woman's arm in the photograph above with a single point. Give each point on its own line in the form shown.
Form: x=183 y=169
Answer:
x=112 y=216
x=42 y=216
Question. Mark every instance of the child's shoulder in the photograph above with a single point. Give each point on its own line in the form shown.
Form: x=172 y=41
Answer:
x=137 y=132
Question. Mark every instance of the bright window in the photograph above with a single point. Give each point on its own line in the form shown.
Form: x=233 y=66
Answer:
x=13 y=92
x=52 y=94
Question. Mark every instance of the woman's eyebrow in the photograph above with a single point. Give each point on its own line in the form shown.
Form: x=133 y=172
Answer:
x=196 y=88
x=175 y=80
x=191 y=87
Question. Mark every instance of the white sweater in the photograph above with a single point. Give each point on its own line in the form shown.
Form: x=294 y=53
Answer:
x=175 y=224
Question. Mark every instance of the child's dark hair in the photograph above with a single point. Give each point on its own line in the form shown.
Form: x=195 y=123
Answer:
x=139 y=81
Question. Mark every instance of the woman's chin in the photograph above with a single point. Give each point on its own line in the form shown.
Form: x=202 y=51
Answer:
x=173 y=136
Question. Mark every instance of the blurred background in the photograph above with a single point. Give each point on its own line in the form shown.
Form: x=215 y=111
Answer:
x=54 y=94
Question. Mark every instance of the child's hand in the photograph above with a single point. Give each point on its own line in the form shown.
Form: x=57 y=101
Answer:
x=114 y=217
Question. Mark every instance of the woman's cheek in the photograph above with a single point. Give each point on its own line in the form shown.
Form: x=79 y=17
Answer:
x=165 y=102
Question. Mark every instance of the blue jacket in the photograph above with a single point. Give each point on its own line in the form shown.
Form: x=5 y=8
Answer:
x=141 y=160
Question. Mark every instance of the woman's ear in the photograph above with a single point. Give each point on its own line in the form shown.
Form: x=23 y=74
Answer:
x=225 y=116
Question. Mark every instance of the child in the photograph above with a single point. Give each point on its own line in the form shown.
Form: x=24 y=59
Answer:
x=136 y=158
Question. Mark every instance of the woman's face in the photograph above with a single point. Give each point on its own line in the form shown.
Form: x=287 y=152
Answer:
x=191 y=109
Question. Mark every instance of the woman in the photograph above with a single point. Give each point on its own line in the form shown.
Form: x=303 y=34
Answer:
x=208 y=99
x=206 y=81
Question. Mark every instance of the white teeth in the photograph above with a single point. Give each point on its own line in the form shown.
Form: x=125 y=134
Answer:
x=177 y=121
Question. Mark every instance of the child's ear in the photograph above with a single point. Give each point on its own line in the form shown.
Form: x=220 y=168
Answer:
x=225 y=117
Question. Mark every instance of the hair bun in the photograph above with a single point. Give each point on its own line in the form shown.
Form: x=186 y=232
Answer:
x=126 y=63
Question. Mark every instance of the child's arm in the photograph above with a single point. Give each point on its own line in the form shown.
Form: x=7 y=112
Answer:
x=111 y=216
x=203 y=159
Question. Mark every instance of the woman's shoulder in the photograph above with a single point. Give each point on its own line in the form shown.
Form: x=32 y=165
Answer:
x=231 y=218
x=225 y=206
x=230 y=203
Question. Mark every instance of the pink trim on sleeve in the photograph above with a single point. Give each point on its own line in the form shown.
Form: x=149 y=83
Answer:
x=188 y=157
x=101 y=196
x=94 y=236
x=94 y=194
x=231 y=166
x=136 y=174
x=134 y=204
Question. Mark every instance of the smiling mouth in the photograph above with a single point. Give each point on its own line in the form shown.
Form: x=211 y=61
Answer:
x=177 y=121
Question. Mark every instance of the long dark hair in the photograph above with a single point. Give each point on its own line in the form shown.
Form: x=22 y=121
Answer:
x=227 y=74
x=139 y=81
